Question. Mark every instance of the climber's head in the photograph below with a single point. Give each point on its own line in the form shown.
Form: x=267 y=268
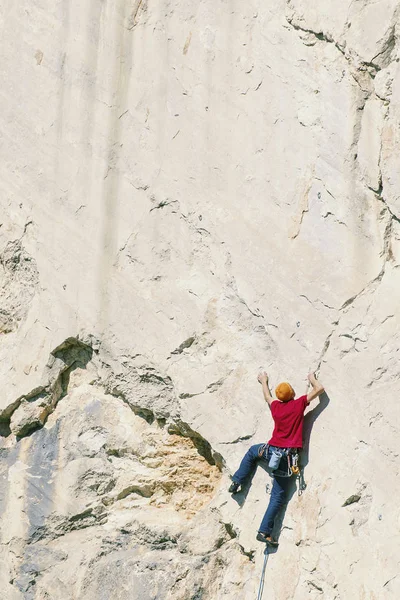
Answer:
x=284 y=392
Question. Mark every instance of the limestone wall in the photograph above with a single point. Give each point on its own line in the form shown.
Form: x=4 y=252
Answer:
x=192 y=190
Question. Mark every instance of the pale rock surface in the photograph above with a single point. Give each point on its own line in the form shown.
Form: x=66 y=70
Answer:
x=191 y=191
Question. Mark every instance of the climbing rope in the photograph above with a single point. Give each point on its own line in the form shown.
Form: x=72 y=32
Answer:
x=261 y=588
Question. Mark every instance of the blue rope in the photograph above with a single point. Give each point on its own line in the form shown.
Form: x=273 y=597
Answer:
x=261 y=588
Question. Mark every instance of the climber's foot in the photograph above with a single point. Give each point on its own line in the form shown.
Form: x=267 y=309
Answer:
x=267 y=539
x=234 y=487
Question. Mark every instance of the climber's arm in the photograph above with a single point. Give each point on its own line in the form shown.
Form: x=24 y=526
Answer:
x=263 y=379
x=317 y=388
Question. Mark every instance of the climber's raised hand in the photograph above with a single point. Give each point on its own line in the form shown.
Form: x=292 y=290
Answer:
x=311 y=378
x=317 y=387
x=262 y=377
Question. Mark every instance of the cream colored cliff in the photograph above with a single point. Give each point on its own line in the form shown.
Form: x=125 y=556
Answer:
x=192 y=190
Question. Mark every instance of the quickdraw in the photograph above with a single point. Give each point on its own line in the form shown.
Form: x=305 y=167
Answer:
x=262 y=449
x=302 y=483
x=295 y=464
x=298 y=472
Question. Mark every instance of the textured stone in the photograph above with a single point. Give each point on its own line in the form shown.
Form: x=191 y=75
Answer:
x=191 y=191
x=370 y=142
x=19 y=279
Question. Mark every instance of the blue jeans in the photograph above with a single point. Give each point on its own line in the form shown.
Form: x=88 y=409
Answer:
x=280 y=486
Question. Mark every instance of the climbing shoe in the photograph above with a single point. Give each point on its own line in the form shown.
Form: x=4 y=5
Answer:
x=267 y=539
x=234 y=487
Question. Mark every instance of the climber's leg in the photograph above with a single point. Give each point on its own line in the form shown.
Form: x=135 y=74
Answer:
x=248 y=465
x=279 y=496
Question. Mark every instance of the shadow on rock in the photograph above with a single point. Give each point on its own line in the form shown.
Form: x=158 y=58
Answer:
x=309 y=421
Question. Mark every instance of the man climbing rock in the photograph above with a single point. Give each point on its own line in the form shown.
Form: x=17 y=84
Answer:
x=287 y=439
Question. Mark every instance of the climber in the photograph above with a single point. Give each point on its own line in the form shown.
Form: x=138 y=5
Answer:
x=288 y=415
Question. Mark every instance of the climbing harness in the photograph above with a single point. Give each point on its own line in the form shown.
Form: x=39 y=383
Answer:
x=291 y=454
x=261 y=588
x=293 y=464
x=274 y=457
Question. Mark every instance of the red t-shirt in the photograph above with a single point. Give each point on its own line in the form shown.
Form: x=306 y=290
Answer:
x=288 y=418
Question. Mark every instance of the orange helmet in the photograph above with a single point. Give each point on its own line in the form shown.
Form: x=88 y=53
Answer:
x=284 y=392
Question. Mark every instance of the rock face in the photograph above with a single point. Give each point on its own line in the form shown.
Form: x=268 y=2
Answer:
x=191 y=191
